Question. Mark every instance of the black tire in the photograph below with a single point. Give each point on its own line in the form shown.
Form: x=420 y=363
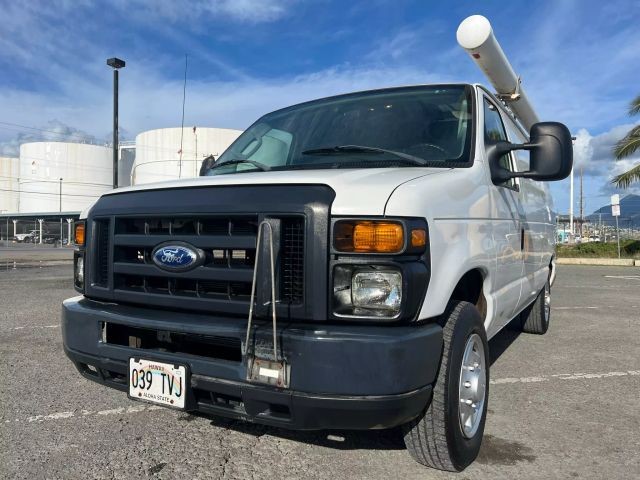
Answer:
x=535 y=318
x=436 y=437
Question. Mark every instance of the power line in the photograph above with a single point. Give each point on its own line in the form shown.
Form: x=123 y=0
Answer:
x=42 y=180
x=14 y=125
x=56 y=194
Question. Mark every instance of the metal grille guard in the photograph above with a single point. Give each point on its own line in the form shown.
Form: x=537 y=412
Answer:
x=272 y=372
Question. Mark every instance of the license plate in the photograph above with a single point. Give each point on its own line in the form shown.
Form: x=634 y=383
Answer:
x=156 y=382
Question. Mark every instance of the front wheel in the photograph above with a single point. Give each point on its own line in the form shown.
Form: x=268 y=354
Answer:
x=448 y=434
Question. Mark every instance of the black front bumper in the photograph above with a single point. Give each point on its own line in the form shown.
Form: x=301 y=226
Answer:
x=342 y=376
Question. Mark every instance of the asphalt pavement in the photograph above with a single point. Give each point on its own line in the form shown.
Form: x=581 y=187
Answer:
x=562 y=405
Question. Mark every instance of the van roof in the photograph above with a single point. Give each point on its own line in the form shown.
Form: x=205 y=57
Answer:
x=374 y=90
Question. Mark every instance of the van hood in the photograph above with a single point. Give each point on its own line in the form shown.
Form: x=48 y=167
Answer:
x=358 y=191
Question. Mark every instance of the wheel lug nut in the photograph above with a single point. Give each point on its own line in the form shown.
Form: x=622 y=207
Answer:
x=467 y=384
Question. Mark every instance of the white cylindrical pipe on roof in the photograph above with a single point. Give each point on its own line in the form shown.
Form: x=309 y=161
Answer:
x=476 y=36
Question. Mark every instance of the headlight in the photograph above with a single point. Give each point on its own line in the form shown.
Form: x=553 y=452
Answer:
x=377 y=291
x=367 y=292
x=78 y=271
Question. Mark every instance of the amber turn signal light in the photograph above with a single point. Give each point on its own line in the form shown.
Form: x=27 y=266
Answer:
x=79 y=234
x=418 y=238
x=365 y=236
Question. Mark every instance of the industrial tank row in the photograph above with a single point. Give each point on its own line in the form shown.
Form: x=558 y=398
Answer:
x=68 y=177
x=159 y=156
x=9 y=184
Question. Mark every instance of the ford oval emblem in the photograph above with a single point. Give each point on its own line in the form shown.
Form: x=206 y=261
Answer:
x=177 y=256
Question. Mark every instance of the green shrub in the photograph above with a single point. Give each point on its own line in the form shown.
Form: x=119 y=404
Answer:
x=628 y=249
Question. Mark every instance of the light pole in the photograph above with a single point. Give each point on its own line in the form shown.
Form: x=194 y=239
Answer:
x=116 y=64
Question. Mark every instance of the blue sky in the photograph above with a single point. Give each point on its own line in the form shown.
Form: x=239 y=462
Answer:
x=579 y=61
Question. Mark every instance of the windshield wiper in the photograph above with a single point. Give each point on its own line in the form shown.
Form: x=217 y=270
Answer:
x=258 y=165
x=347 y=149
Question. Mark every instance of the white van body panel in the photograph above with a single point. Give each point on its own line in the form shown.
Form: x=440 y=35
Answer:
x=539 y=225
x=474 y=224
x=361 y=191
x=457 y=208
x=508 y=234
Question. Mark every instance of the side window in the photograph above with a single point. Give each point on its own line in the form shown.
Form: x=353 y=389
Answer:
x=493 y=132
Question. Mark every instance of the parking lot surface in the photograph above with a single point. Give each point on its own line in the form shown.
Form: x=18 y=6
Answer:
x=561 y=405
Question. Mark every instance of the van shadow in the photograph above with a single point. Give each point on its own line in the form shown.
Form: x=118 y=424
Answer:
x=387 y=439
x=503 y=340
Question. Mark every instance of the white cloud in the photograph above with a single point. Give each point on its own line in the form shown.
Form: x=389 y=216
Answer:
x=582 y=149
x=148 y=100
x=53 y=130
x=594 y=154
x=174 y=11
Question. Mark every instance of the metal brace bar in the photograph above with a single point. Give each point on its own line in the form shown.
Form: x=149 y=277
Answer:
x=273 y=290
x=513 y=96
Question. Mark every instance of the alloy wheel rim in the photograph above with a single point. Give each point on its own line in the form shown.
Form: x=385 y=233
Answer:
x=473 y=386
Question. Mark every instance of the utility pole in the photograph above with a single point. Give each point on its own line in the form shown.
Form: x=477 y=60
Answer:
x=615 y=211
x=571 y=232
x=581 y=205
x=618 y=235
x=116 y=64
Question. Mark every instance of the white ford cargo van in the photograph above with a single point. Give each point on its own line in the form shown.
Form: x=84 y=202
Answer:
x=340 y=266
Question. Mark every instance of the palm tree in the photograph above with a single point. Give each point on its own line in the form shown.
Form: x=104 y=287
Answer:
x=626 y=147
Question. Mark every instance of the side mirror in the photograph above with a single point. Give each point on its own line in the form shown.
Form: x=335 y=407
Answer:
x=551 y=156
x=207 y=163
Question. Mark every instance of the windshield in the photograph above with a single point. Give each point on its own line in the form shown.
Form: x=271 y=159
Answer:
x=411 y=126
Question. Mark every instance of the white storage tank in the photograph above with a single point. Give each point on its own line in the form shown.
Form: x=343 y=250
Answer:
x=158 y=152
x=86 y=172
x=9 y=173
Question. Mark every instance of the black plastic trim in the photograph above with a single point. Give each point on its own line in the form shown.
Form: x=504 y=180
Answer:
x=273 y=202
x=270 y=406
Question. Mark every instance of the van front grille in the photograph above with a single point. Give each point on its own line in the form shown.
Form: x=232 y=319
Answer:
x=221 y=222
x=292 y=266
x=225 y=277
x=102 y=252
